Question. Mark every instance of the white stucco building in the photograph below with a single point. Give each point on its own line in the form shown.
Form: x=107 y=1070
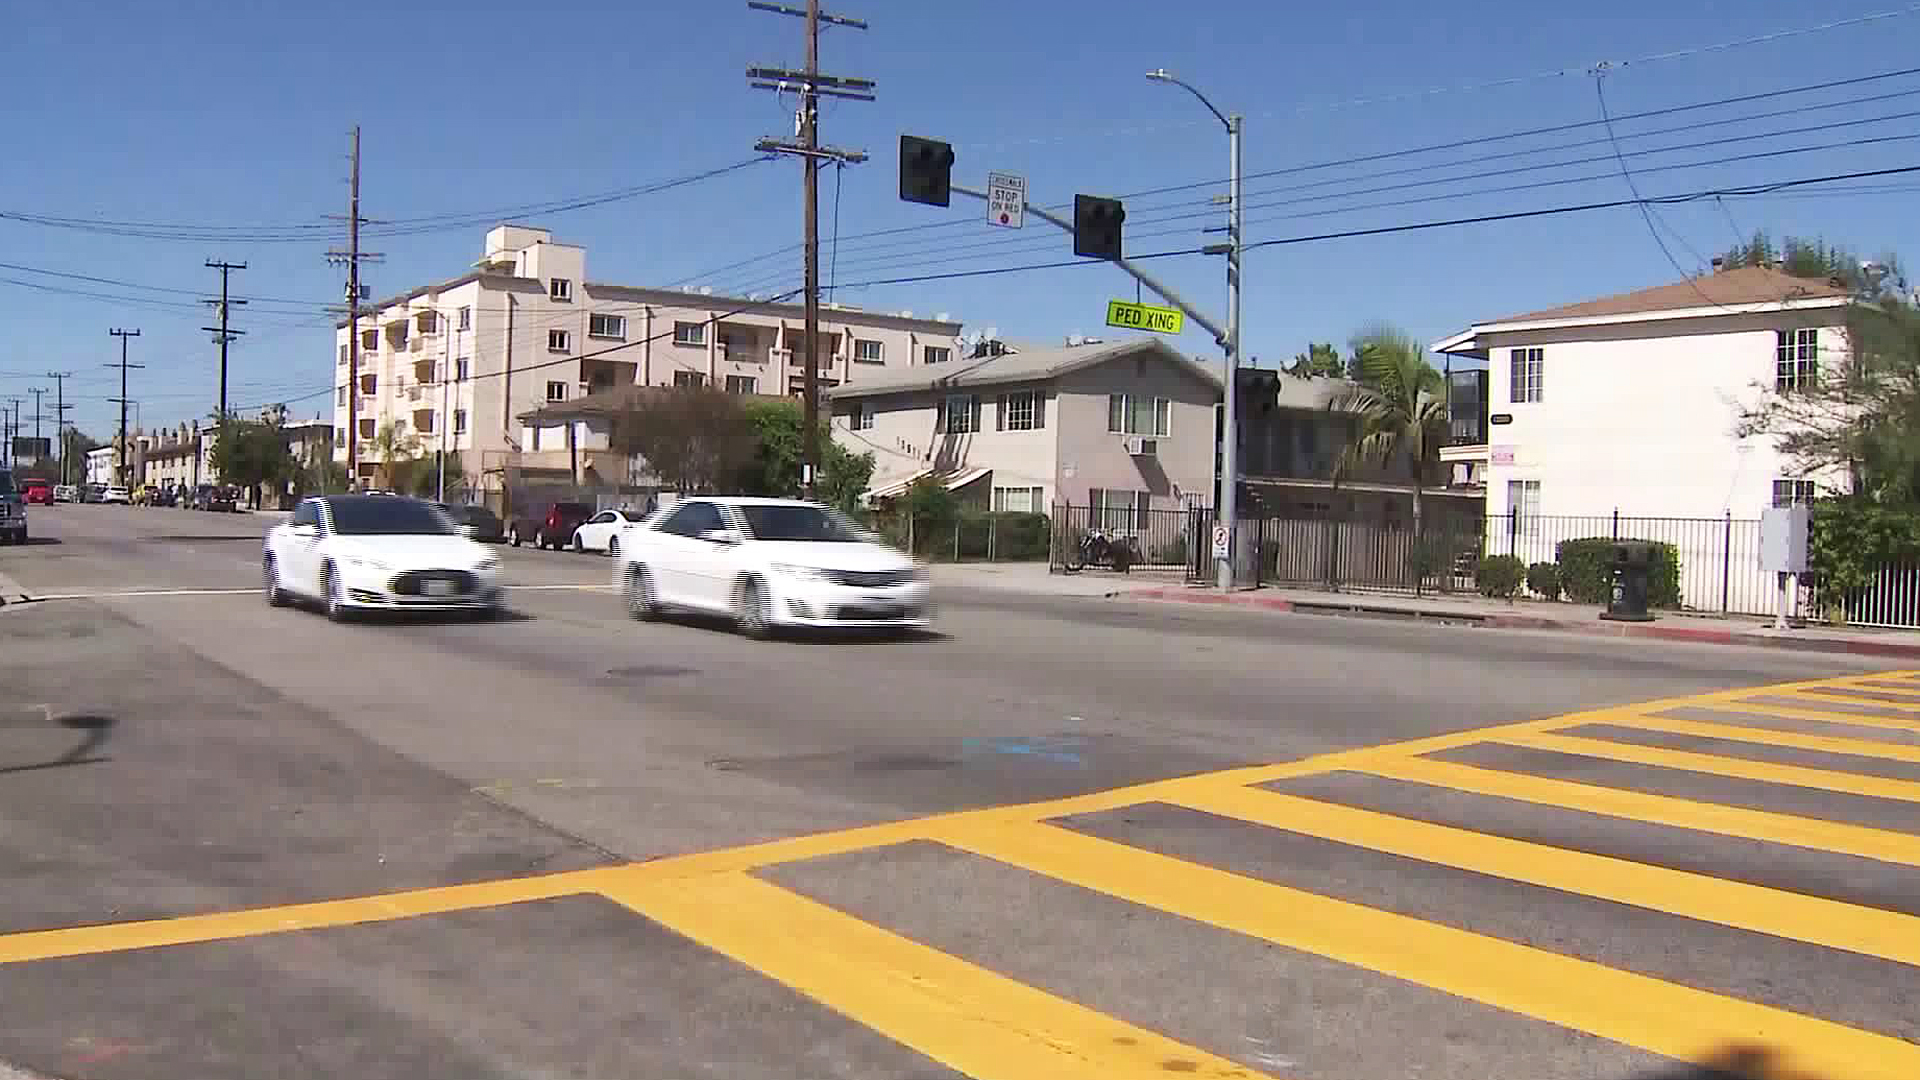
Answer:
x=458 y=363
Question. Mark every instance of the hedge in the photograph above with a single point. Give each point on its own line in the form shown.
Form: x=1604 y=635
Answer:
x=1499 y=576
x=1543 y=580
x=1586 y=571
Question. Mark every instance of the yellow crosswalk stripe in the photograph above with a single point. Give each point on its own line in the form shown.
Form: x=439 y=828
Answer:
x=1664 y=1018
x=1765 y=772
x=1824 y=716
x=1846 y=694
x=1832 y=744
x=1832 y=923
x=1868 y=843
x=972 y=1020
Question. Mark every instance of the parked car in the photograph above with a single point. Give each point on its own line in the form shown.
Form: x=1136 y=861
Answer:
x=357 y=553
x=220 y=497
x=164 y=496
x=551 y=527
x=36 y=491
x=66 y=493
x=92 y=493
x=13 y=511
x=475 y=522
x=769 y=563
x=115 y=493
x=601 y=532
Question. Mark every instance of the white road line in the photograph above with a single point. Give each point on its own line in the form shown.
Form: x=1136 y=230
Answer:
x=252 y=590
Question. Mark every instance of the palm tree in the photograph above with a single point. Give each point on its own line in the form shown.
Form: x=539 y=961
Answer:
x=392 y=444
x=1400 y=403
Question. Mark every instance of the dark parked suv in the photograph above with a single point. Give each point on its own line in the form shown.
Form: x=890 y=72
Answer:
x=216 y=497
x=551 y=527
x=477 y=522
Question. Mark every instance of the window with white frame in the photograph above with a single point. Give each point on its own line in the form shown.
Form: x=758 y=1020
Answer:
x=343 y=352
x=1527 y=375
x=461 y=372
x=960 y=414
x=937 y=354
x=1023 y=410
x=1796 y=360
x=466 y=318
x=1523 y=507
x=860 y=416
x=868 y=351
x=689 y=378
x=459 y=421
x=1790 y=492
x=556 y=390
x=607 y=326
x=689 y=333
x=1119 y=511
x=560 y=289
x=1018 y=500
x=366 y=429
x=742 y=384
x=340 y=395
x=559 y=341
x=369 y=340
x=1133 y=414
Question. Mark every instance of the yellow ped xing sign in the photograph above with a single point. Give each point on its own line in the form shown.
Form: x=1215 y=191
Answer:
x=1160 y=320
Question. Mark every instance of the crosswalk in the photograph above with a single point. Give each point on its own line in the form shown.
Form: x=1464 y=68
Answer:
x=1852 y=738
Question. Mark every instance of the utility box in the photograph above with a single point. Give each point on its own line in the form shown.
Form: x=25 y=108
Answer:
x=1783 y=539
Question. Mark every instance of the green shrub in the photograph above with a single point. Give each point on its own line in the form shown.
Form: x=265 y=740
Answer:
x=1586 y=572
x=1018 y=536
x=1498 y=576
x=1543 y=580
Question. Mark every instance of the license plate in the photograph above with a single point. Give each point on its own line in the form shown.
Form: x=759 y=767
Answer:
x=877 y=611
x=438 y=588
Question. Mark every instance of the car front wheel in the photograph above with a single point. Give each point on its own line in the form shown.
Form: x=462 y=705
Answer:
x=641 y=604
x=613 y=548
x=270 y=579
x=336 y=593
x=752 y=615
x=578 y=547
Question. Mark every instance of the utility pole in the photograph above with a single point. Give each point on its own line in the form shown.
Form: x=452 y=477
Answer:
x=353 y=257
x=221 y=335
x=811 y=85
x=60 y=408
x=10 y=425
x=120 y=454
x=39 y=414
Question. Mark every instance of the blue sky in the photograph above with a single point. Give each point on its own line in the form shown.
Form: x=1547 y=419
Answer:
x=219 y=116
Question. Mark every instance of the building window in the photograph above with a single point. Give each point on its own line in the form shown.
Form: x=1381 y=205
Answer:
x=1790 y=492
x=366 y=429
x=426 y=322
x=369 y=384
x=1528 y=375
x=1796 y=360
x=689 y=378
x=340 y=436
x=369 y=340
x=938 y=354
x=460 y=370
x=556 y=391
x=558 y=341
x=1018 y=500
x=459 y=421
x=742 y=384
x=868 y=351
x=560 y=289
x=1118 y=511
x=466 y=318
x=343 y=352
x=607 y=326
x=427 y=428
x=340 y=395
x=1130 y=415
x=861 y=418
x=1023 y=411
x=1523 y=507
x=961 y=414
x=689 y=333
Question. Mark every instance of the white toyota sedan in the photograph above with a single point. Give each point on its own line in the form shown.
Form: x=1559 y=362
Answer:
x=769 y=563
x=357 y=553
x=601 y=532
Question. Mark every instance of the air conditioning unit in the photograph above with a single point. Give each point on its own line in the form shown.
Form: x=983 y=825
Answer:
x=1142 y=447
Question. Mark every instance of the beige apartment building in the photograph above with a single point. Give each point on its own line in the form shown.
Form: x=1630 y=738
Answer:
x=458 y=363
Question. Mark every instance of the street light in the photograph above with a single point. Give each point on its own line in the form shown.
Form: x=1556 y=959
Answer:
x=1230 y=422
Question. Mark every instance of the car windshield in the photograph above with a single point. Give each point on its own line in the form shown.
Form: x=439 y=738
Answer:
x=376 y=515
x=785 y=522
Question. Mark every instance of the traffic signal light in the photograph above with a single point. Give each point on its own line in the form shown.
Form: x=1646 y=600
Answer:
x=926 y=170
x=1096 y=226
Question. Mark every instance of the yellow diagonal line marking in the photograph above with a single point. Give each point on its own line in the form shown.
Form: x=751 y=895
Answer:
x=972 y=1020
x=1868 y=931
x=1831 y=744
x=1665 y=1018
x=1899 y=686
x=1765 y=772
x=189 y=929
x=1841 y=693
x=1867 y=843
x=1795 y=712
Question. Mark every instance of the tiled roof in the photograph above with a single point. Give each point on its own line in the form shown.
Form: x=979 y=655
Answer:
x=1012 y=367
x=1728 y=288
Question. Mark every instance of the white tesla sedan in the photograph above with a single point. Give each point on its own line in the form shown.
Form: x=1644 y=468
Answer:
x=357 y=553
x=769 y=563
x=601 y=532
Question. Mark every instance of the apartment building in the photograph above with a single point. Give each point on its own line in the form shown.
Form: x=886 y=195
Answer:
x=455 y=365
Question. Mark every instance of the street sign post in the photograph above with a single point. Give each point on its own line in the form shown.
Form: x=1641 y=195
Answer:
x=1006 y=200
x=1222 y=540
x=1160 y=320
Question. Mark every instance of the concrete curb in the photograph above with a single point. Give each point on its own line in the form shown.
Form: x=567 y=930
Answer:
x=1649 y=631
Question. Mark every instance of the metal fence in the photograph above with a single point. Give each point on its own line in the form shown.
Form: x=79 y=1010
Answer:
x=1891 y=597
x=1164 y=539
x=1719 y=557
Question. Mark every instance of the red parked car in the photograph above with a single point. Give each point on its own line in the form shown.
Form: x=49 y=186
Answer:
x=37 y=491
x=550 y=525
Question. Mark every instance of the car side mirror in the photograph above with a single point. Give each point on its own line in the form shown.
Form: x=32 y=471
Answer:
x=721 y=536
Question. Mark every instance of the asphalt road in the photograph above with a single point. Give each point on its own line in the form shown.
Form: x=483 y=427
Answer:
x=242 y=842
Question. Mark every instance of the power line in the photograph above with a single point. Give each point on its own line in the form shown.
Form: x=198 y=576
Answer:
x=1646 y=212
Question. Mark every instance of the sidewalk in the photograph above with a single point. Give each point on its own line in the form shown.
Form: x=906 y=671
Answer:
x=1453 y=609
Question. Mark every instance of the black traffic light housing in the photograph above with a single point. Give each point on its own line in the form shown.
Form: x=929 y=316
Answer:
x=926 y=171
x=1096 y=226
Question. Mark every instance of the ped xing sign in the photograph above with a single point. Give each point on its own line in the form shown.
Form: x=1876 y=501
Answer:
x=1160 y=320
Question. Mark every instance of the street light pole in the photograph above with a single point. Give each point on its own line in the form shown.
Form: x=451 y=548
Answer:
x=1230 y=420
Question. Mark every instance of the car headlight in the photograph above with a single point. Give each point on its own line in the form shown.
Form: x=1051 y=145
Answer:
x=800 y=573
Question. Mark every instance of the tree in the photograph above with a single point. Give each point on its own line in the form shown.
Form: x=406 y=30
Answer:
x=775 y=469
x=251 y=454
x=1814 y=258
x=396 y=449
x=844 y=476
x=1321 y=359
x=1400 y=406
x=694 y=438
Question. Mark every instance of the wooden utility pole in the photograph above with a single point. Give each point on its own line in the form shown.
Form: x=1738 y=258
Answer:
x=810 y=85
x=221 y=334
x=60 y=408
x=120 y=454
x=353 y=257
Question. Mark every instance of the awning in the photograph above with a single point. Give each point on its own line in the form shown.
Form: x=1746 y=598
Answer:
x=953 y=481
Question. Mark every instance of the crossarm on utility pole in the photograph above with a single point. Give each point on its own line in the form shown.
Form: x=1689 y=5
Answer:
x=1219 y=335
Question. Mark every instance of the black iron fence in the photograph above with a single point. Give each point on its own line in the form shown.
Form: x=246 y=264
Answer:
x=1156 y=539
